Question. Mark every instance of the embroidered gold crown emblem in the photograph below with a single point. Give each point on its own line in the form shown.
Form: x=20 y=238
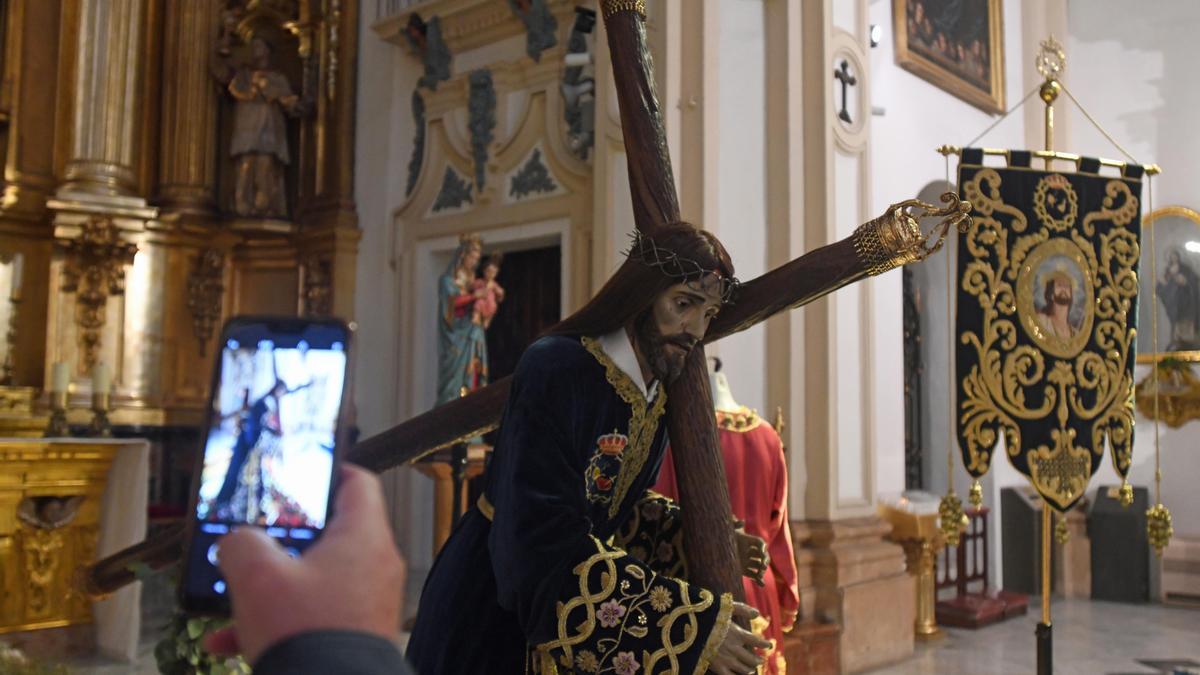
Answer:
x=613 y=444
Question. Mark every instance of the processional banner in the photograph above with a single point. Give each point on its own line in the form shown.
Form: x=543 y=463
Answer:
x=1047 y=302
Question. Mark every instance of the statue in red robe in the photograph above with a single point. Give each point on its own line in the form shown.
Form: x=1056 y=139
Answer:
x=758 y=492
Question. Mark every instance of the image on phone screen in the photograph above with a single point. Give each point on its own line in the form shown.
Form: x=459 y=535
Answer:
x=269 y=445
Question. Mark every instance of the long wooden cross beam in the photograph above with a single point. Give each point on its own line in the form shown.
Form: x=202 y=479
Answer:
x=886 y=242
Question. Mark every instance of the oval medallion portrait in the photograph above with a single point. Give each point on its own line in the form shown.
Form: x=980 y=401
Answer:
x=1055 y=297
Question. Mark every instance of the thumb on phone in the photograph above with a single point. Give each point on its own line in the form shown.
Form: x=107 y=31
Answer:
x=248 y=553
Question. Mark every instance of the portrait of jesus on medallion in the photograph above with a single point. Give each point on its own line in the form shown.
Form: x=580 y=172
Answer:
x=1055 y=298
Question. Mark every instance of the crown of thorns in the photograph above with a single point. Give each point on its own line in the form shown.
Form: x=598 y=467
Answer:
x=643 y=249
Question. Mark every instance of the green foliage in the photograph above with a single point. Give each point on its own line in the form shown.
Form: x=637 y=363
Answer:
x=181 y=651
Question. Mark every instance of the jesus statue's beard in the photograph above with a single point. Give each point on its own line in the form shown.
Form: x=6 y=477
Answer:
x=1062 y=298
x=665 y=364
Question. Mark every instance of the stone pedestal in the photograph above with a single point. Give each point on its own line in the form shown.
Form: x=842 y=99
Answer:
x=812 y=648
x=858 y=581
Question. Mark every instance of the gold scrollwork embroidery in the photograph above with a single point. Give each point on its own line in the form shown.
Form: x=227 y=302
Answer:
x=643 y=422
x=1012 y=383
x=1055 y=202
x=621 y=597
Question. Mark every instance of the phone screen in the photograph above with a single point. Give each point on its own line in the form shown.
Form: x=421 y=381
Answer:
x=270 y=443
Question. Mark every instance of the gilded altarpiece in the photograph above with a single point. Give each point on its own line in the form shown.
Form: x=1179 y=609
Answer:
x=50 y=498
x=1047 y=306
x=122 y=164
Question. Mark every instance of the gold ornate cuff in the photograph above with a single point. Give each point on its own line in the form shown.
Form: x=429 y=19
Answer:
x=895 y=238
x=611 y=7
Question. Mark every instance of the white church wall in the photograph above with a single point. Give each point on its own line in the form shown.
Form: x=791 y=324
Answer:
x=916 y=118
x=913 y=117
x=384 y=132
x=1134 y=67
x=741 y=201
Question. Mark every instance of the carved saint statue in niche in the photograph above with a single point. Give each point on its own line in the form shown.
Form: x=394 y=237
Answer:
x=259 y=146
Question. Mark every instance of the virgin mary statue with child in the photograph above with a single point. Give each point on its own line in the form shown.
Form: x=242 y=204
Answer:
x=462 y=345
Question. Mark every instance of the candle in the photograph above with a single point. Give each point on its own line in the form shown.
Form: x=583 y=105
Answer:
x=101 y=378
x=60 y=378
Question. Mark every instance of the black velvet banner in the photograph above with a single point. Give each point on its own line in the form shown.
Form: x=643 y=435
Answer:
x=1047 y=302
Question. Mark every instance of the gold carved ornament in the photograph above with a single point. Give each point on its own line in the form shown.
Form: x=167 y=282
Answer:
x=42 y=543
x=318 y=287
x=1074 y=383
x=895 y=238
x=94 y=269
x=205 y=288
x=1179 y=394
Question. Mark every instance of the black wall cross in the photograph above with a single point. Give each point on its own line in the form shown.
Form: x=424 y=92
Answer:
x=843 y=75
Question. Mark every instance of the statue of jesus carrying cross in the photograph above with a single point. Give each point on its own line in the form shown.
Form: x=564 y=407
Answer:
x=534 y=575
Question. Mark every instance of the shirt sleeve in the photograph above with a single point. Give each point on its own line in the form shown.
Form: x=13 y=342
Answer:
x=583 y=604
x=332 y=651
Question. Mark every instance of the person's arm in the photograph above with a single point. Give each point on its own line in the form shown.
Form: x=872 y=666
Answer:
x=331 y=651
x=583 y=603
x=330 y=611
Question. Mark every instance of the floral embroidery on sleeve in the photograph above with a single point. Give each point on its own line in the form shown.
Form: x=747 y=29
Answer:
x=625 y=619
x=654 y=535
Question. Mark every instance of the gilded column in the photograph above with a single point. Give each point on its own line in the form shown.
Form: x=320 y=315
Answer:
x=187 y=165
x=106 y=82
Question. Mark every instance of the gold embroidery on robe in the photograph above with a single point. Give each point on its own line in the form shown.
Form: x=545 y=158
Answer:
x=627 y=598
x=643 y=423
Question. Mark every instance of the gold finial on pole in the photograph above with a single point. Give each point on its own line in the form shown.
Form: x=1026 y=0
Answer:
x=1051 y=62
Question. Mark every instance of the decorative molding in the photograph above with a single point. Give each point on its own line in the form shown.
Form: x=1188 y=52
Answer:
x=540 y=26
x=481 y=114
x=425 y=40
x=16 y=400
x=94 y=269
x=455 y=192
x=578 y=89
x=317 y=296
x=466 y=24
x=205 y=289
x=42 y=554
x=533 y=178
x=418 y=150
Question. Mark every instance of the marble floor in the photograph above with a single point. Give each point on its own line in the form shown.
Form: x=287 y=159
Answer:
x=1090 y=638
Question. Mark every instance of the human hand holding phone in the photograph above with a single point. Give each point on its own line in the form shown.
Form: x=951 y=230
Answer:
x=351 y=579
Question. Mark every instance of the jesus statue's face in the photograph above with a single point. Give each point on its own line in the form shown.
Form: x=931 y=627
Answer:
x=675 y=323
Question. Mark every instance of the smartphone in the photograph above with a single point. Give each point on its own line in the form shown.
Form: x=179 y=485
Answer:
x=275 y=431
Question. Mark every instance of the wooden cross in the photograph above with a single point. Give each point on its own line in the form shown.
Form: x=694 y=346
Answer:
x=843 y=75
x=891 y=240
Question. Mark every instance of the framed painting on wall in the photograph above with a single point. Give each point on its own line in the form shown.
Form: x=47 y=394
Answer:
x=1169 y=286
x=957 y=45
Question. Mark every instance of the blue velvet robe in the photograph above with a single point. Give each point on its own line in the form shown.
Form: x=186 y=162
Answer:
x=538 y=578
